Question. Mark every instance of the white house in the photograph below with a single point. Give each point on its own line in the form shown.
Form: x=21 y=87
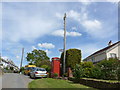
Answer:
x=4 y=63
x=8 y=63
x=111 y=51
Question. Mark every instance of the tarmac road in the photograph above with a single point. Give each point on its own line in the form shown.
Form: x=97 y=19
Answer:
x=14 y=80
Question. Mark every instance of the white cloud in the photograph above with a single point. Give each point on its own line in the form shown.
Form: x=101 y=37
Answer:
x=59 y=15
x=4 y=57
x=17 y=57
x=92 y=24
x=61 y=33
x=58 y=33
x=0 y=26
x=86 y=2
x=77 y=16
x=48 y=52
x=24 y=26
x=33 y=47
x=113 y=1
x=73 y=14
x=74 y=28
x=46 y=45
x=73 y=34
x=90 y=1
x=70 y=14
x=96 y=28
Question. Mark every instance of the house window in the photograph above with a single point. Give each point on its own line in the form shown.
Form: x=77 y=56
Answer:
x=92 y=59
x=113 y=55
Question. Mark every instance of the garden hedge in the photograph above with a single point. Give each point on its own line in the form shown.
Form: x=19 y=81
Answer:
x=99 y=84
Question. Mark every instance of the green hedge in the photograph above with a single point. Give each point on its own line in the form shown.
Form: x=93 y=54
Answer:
x=105 y=69
x=97 y=83
x=73 y=57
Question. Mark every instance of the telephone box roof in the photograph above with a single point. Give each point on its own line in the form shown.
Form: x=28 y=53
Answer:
x=55 y=58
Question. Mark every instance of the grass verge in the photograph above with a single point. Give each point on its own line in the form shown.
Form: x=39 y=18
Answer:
x=55 y=83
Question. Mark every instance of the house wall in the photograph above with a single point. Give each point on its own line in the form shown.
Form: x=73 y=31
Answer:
x=100 y=57
x=105 y=54
x=115 y=49
x=97 y=57
x=119 y=51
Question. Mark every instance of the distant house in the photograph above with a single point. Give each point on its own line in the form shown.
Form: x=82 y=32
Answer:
x=7 y=63
x=111 y=51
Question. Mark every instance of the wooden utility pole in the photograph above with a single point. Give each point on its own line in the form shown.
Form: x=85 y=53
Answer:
x=22 y=57
x=64 y=43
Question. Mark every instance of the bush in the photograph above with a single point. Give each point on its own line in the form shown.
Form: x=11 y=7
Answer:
x=11 y=68
x=6 y=68
x=96 y=72
x=78 y=72
x=109 y=69
x=65 y=74
x=55 y=75
x=87 y=68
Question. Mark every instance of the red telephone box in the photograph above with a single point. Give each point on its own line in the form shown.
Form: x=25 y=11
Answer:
x=55 y=66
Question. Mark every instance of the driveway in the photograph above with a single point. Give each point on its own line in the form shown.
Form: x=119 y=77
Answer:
x=14 y=80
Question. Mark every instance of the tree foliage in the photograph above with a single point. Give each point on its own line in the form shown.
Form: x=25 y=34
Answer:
x=38 y=58
x=47 y=67
x=73 y=57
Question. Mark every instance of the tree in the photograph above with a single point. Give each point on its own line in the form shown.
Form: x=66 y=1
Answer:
x=48 y=68
x=37 y=57
x=73 y=57
x=22 y=69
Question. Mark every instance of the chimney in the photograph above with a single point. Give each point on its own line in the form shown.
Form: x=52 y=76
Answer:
x=110 y=43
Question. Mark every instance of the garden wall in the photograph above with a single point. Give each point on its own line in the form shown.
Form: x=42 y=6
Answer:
x=100 y=84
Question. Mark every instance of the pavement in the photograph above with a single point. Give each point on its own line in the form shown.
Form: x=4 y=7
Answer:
x=1 y=73
x=15 y=80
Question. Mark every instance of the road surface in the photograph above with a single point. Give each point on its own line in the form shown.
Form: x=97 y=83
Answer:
x=0 y=82
x=14 y=80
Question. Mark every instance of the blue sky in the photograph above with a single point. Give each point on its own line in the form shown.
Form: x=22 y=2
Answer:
x=90 y=26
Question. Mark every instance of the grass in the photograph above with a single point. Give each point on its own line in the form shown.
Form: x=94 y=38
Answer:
x=55 y=83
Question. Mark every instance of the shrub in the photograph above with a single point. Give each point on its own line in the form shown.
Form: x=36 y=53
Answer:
x=55 y=75
x=96 y=72
x=87 y=68
x=6 y=68
x=11 y=68
x=109 y=68
x=78 y=72
x=65 y=74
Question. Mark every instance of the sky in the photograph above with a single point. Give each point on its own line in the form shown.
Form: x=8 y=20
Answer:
x=39 y=25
